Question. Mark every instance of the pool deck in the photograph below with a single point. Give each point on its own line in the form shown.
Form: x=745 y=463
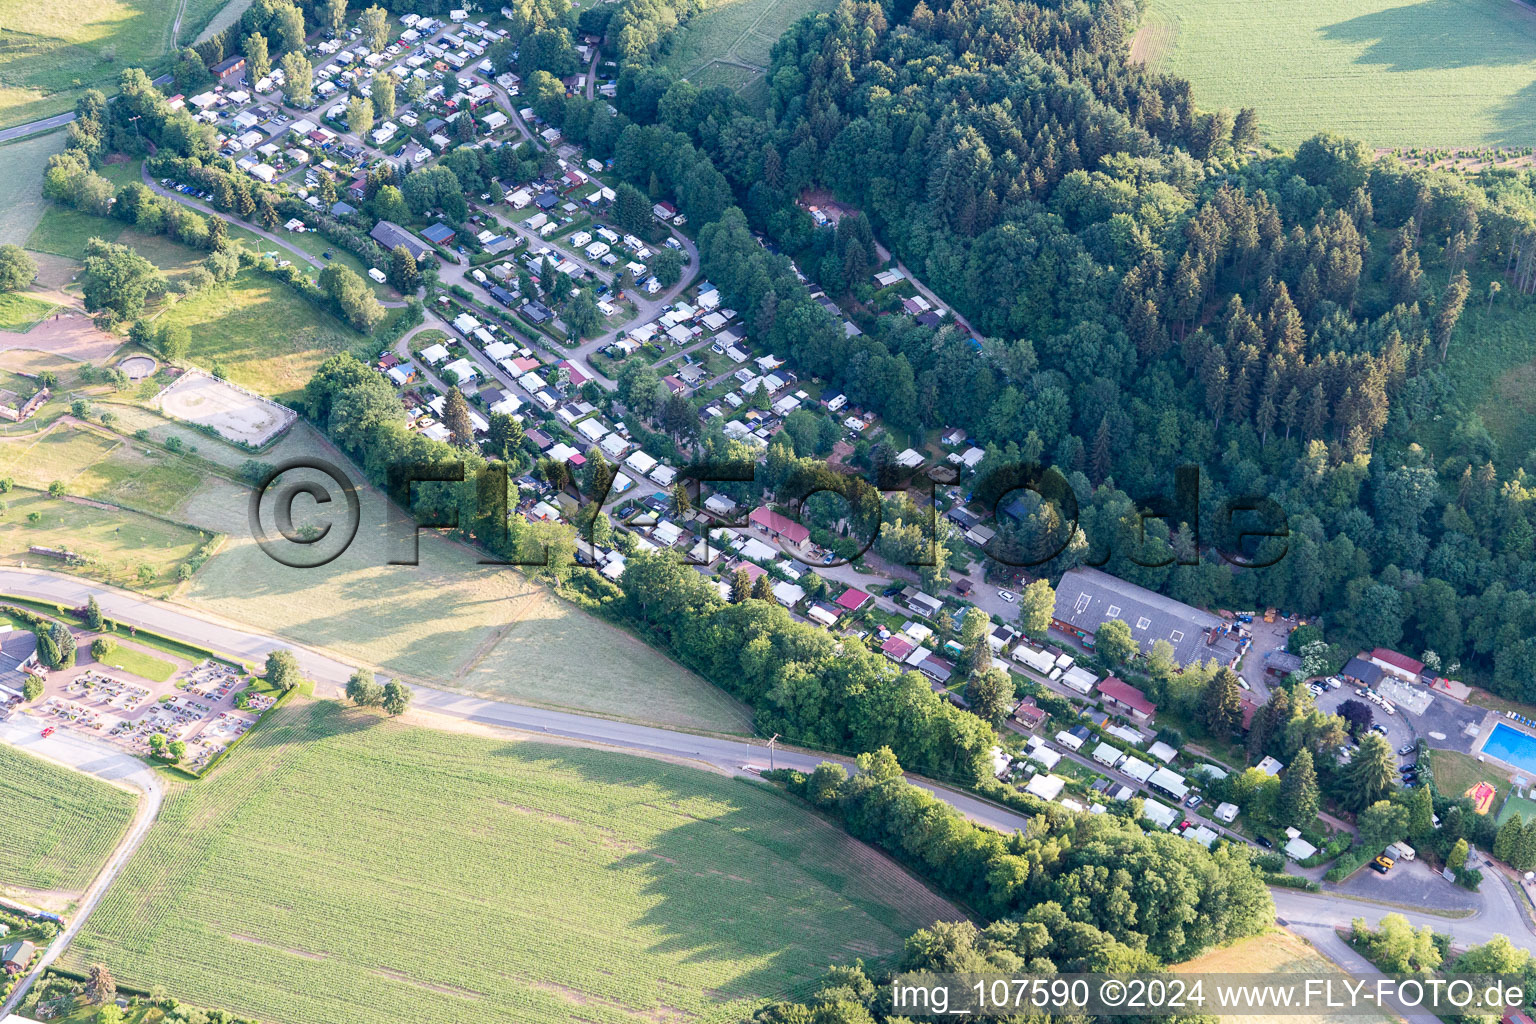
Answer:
x=1494 y=719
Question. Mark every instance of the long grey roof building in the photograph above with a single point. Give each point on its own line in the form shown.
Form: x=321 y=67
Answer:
x=1088 y=598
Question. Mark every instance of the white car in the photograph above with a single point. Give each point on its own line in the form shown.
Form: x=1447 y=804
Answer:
x=1008 y=596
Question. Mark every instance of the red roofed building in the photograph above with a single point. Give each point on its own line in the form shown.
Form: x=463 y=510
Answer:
x=524 y=364
x=1249 y=710
x=853 y=599
x=674 y=384
x=752 y=569
x=1399 y=665
x=897 y=648
x=578 y=376
x=1119 y=694
x=782 y=527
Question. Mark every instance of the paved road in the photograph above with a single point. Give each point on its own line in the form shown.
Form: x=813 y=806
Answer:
x=330 y=676
x=85 y=754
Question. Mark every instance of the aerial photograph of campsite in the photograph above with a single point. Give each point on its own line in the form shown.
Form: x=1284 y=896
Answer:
x=767 y=511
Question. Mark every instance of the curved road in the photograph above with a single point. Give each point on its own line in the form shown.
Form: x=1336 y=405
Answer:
x=84 y=754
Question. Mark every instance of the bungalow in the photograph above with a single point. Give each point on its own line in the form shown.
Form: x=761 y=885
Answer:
x=19 y=954
x=1137 y=770
x=1079 y=679
x=719 y=505
x=390 y=235
x=853 y=599
x=1108 y=754
x=1366 y=673
x=1046 y=787
x=462 y=369
x=438 y=234
x=788 y=594
x=823 y=613
x=1399 y=666
x=1029 y=714
x=227 y=69
x=1159 y=814
x=920 y=602
x=1169 y=782
x=898 y=648
x=936 y=668
x=778 y=526
x=1226 y=813
x=1122 y=695
x=435 y=354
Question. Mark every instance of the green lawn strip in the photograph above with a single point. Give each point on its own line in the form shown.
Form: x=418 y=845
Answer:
x=139 y=663
x=20 y=313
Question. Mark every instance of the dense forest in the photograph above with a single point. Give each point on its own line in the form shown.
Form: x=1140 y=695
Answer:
x=1148 y=290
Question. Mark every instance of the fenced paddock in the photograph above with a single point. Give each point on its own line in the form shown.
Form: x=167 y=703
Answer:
x=238 y=415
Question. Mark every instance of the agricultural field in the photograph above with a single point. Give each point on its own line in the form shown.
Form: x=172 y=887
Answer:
x=1428 y=73
x=730 y=42
x=1275 y=952
x=59 y=825
x=55 y=51
x=448 y=620
x=256 y=332
x=340 y=861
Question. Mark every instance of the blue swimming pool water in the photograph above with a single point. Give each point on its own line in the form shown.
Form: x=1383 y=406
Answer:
x=1513 y=746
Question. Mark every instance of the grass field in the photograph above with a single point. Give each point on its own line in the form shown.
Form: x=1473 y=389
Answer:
x=1455 y=73
x=730 y=42
x=340 y=862
x=20 y=312
x=139 y=662
x=21 y=167
x=59 y=825
x=54 y=51
x=117 y=542
x=1275 y=951
x=448 y=620
x=1455 y=773
x=259 y=333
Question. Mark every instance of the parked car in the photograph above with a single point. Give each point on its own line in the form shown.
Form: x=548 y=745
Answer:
x=1008 y=596
x=1194 y=800
x=1264 y=842
x=1383 y=864
x=1406 y=749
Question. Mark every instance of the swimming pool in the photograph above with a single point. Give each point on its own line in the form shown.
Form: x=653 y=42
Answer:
x=1512 y=746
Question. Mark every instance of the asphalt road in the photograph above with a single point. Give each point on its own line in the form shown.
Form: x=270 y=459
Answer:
x=330 y=676
x=84 y=754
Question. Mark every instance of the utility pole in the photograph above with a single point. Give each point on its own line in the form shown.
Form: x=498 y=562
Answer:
x=770 y=750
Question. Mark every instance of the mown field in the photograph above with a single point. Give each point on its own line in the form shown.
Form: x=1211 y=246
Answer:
x=1452 y=73
x=59 y=825
x=340 y=862
x=729 y=44
x=21 y=167
x=1275 y=952
x=54 y=51
x=259 y=333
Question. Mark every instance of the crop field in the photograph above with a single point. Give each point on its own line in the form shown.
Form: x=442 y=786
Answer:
x=729 y=44
x=1426 y=73
x=340 y=862
x=53 y=51
x=59 y=825
x=259 y=333
x=1281 y=952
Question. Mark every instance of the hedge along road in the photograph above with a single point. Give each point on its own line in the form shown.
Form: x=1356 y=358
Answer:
x=83 y=754
x=330 y=676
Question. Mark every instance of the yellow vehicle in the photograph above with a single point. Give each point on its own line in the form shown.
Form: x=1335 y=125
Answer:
x=1269 y=615
x=1383 y=863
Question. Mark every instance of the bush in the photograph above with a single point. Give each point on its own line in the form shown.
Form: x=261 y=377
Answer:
x=100 y=648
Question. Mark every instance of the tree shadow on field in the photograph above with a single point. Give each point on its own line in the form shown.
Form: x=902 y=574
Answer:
x=1434 y=34
x=741 y=889
x=1516 y=116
